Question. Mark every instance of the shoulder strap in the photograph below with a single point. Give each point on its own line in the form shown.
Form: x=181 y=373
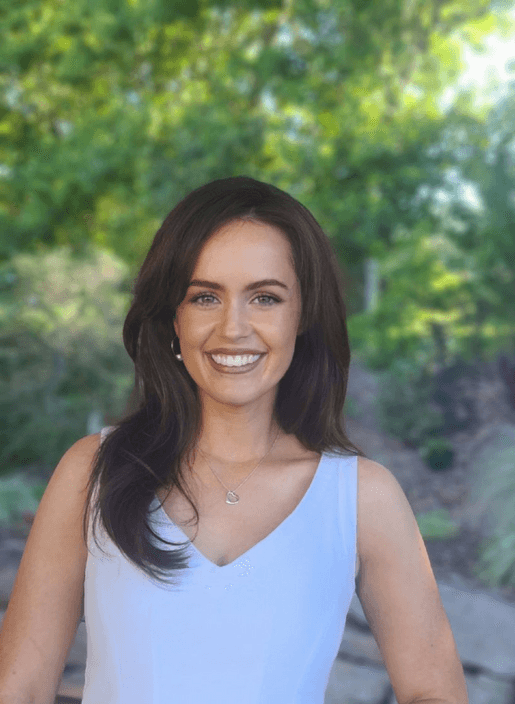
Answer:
x=105 y=432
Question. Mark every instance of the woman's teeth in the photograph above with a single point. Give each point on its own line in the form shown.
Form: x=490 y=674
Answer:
x=235 y=361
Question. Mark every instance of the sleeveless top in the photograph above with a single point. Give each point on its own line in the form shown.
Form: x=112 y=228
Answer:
x=264 y=629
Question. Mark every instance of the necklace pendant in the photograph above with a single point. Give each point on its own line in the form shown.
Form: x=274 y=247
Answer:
x=231 y=498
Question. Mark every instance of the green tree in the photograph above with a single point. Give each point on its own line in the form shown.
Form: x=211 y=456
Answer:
x=61 y=353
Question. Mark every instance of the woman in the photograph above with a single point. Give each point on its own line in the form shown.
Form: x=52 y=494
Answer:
x=233 y=452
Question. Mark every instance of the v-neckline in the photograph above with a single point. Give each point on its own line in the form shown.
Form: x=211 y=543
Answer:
x=253 y=547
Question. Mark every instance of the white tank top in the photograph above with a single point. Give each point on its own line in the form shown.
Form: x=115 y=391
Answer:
x=264 y=629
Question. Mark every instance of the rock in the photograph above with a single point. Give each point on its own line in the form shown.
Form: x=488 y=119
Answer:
x=483 y=629
x=351 y=683
x=11 y=551
x=78 y=651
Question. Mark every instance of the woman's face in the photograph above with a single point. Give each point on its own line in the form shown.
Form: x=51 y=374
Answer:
x=265 y=319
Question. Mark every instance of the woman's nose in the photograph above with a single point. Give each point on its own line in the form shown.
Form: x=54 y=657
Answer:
x=235 y=319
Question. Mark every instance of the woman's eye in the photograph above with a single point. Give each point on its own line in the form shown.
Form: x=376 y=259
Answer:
x=203 y=296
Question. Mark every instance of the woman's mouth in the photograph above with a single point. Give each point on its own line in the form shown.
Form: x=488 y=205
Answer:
x=236 y=368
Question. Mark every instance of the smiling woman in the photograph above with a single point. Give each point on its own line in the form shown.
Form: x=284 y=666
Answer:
x=252 y=606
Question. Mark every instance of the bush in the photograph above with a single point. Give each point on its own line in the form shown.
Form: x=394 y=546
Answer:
x=437 y=453
x=496 y=565
x=494 y=488
x=405 y=410
x=61 y=351
x=17 y=495
x=437 y=525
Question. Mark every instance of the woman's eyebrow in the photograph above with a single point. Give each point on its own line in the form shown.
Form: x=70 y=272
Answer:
x=250 y=287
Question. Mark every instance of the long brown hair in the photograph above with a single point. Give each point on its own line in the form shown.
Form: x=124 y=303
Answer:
x=162 y=421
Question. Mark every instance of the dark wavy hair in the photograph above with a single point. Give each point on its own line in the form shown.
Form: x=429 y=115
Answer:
x=162 y=421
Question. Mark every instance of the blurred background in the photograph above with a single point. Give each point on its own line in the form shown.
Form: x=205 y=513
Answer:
x=392 y=121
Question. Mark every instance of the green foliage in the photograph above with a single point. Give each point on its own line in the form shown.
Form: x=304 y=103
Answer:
x=61 y=351
x=131 y=104
x=437 y=453
x=437 y=525
x=496 y=565
x=17 y=495
x=495 y=489
x=431 y=304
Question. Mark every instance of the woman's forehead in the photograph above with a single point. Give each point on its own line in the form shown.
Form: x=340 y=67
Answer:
x=253 y=251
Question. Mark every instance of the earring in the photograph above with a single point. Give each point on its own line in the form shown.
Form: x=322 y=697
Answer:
x=179 y=356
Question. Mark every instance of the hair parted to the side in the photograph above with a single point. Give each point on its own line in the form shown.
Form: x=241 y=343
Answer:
x=161 y=424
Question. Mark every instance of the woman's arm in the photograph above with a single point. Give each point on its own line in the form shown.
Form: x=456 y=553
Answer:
x=46 y=601
x=400 y=597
